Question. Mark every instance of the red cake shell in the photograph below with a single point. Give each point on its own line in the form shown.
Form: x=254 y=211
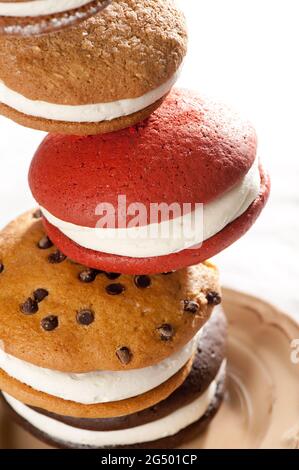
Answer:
x=126 y=265
x=191 y=150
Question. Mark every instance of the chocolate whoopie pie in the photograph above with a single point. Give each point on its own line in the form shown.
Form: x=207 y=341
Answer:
x=181 y=416
x=35 y=17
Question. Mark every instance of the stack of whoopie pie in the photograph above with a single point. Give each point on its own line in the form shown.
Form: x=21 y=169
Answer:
x=112 y=333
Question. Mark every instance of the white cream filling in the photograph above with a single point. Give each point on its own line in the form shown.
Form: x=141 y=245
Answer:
x=99 y=386
x=164 y=427
x=83 y=113
x=169 y=236
x=39 y=7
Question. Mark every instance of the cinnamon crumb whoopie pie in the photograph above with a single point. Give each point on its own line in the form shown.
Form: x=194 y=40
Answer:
x=107 y=73
x=107 y=359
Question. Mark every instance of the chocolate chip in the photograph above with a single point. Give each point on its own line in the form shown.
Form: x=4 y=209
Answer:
x=40 y=294
x=166 y=331
x=88 y=275
x=213 y=298
x=45 y=243
x=56 y=257
x=142 y=282
x=1 y=268
x=49 y=323
x=115 y=289
x=29 y=306
x=112 y=276
x=85 y=317
x=124 y=355
x=37 y=214
x=190 y=306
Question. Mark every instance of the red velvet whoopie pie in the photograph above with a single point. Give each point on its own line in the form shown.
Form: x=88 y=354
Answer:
x=100 y=194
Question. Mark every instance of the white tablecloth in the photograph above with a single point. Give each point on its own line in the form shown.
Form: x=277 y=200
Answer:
x=244 y=52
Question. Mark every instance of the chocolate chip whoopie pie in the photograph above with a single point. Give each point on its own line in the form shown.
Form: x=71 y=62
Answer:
x=32 y=17
x=88 y=352
x=107 y=73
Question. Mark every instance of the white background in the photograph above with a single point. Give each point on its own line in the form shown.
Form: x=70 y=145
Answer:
x=244 y=52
